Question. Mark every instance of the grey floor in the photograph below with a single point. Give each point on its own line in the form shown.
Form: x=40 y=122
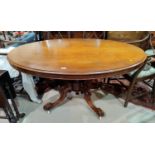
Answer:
x=77 y=110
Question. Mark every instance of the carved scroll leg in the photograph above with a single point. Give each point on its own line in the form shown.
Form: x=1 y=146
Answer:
x=98 y=111
x=63 y=95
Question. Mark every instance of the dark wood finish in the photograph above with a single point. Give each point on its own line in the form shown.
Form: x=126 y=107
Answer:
x=153 y=38
x=45 y=35
x=7 y=92
x=138 y=38
x=5 y=82
x=63 y=94
x=98 y=111
x=4 y=104
x=80 y=87
x=134 y=79
x=153 y=93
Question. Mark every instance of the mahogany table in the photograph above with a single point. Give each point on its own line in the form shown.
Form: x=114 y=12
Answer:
x=77 y=62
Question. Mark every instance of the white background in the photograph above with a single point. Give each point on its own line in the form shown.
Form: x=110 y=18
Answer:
x=77 y=15
x=77 y=139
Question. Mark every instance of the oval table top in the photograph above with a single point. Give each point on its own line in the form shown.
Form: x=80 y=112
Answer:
x=76 y=59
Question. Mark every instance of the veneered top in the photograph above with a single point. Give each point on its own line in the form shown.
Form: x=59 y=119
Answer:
x=76 y=58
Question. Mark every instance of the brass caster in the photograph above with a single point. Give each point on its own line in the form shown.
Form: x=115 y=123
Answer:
x=100 y=117
x=48 y=111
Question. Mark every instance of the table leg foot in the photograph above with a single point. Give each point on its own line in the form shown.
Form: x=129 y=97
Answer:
x=63 y=94
x=98 y=111
x=21 y=115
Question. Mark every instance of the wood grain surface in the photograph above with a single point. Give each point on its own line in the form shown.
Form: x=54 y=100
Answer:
x=76 y=59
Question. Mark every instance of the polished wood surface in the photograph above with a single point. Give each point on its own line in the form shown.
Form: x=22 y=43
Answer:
x=77 y=61
x=76 y=58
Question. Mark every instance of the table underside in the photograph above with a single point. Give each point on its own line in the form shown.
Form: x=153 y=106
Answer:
x=79 y=87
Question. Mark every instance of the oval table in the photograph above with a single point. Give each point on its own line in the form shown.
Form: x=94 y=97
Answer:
x=77 y=62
